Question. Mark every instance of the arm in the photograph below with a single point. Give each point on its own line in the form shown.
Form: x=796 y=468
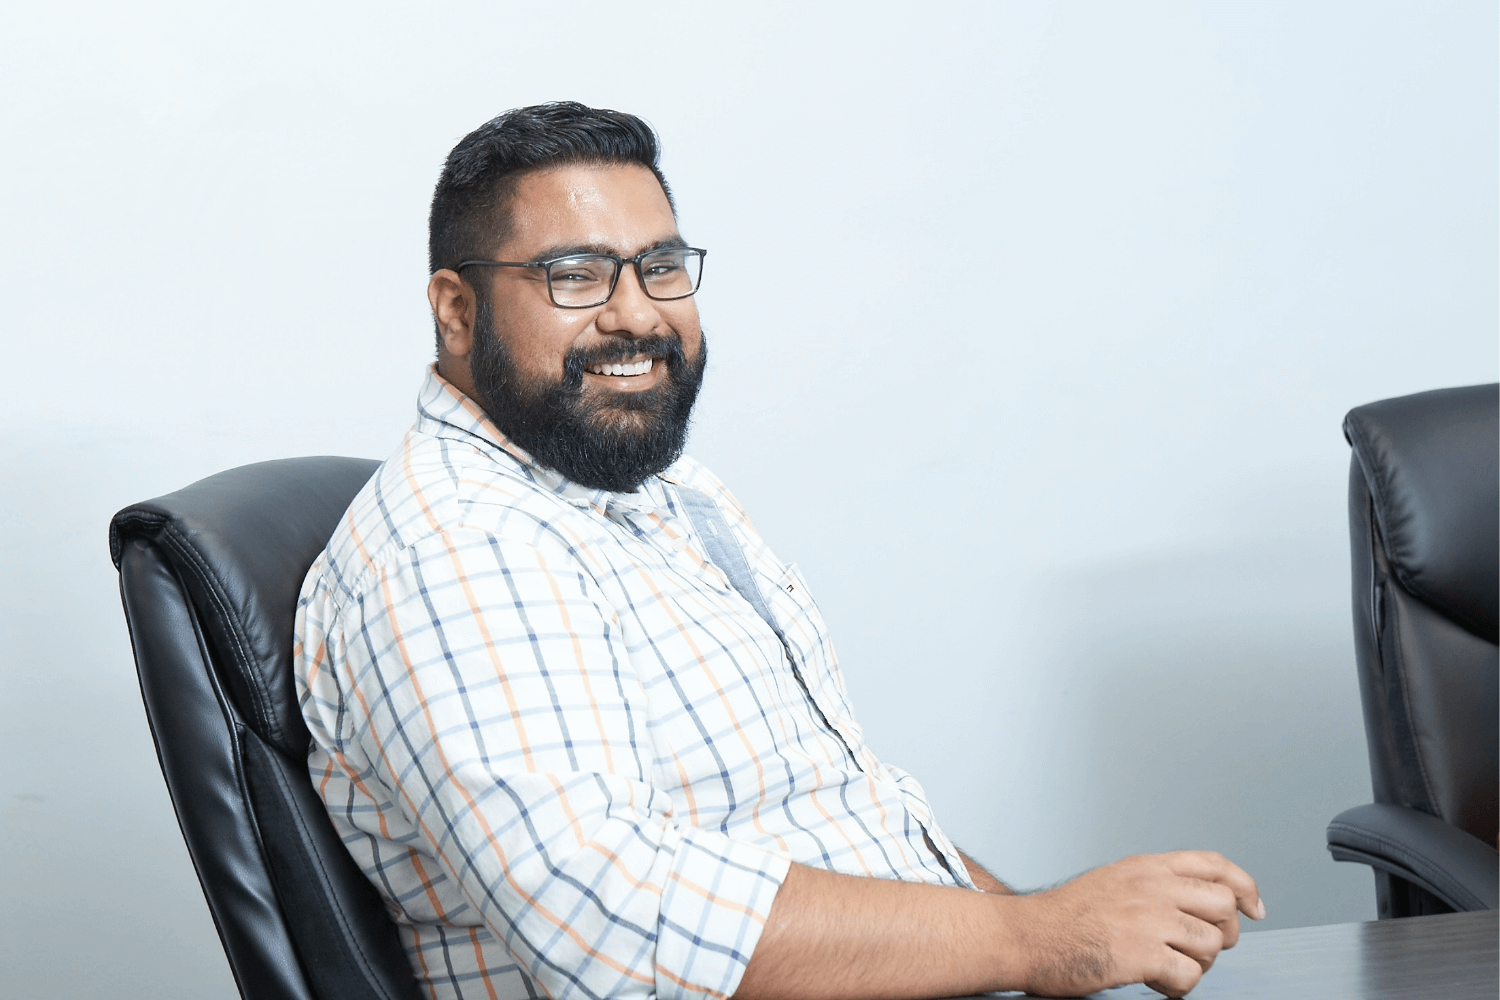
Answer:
x=491 y=693
x=983 y=879
x=1157 y=919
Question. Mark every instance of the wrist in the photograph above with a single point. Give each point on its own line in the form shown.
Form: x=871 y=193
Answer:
x=1014 y=947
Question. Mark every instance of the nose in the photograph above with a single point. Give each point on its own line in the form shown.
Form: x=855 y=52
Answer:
x=630 y=312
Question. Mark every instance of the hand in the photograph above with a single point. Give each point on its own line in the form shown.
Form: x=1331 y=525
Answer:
x=1158 y=919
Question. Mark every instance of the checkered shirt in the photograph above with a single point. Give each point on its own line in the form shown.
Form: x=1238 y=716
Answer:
x=568 y=753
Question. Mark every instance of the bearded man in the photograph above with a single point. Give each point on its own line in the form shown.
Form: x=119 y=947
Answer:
x=580 y=727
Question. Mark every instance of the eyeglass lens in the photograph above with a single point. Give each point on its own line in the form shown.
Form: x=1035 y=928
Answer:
x=672 y=273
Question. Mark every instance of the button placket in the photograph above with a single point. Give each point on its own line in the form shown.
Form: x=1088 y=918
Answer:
x=676 y=528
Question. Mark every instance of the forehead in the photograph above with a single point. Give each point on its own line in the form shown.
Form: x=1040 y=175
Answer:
x=621 y=208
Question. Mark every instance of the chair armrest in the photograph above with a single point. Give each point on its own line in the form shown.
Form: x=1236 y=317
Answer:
x=1461 y=870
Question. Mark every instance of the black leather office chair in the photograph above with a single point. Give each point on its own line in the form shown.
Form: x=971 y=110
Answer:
x=1423 y=514
x=209 y=576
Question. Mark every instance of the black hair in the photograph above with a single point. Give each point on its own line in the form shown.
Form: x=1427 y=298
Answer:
x=471 y=206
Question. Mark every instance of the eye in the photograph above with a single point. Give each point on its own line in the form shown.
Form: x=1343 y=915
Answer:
x=663 y=264
x=582 y=270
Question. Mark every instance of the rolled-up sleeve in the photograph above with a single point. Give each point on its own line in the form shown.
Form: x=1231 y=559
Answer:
x=490 y=689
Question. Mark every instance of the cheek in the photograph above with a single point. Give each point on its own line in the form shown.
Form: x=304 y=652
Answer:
x=685 y=323
x=538 y=341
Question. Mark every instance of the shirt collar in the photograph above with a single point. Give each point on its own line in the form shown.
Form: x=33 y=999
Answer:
x=444 y=411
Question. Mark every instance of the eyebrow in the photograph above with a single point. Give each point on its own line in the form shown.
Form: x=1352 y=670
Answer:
x=576 y=249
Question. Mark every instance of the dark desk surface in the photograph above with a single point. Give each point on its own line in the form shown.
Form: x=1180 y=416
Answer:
x=1449 y=957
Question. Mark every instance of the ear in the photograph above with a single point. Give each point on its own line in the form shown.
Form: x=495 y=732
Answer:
x=453 y=308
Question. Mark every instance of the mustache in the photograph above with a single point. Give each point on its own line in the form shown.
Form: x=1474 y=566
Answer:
x=618 y=350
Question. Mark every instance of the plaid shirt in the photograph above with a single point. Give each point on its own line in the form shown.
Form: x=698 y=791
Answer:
x=569 y=754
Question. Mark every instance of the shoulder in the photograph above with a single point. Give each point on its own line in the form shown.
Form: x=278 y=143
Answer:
x=435 y=495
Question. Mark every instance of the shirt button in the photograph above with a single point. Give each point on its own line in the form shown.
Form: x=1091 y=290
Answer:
x=679 y=543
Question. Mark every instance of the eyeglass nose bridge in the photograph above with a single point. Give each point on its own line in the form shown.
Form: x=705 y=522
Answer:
x=614 y=282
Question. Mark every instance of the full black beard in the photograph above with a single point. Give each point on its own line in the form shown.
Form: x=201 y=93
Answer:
x=612 y=444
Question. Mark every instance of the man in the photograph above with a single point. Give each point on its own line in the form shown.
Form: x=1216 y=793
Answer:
x=577 y=723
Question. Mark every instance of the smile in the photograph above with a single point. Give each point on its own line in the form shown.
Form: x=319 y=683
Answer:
x=635 y=368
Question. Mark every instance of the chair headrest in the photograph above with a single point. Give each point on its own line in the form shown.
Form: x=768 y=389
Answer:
x=1432 y=465
x=242 y=542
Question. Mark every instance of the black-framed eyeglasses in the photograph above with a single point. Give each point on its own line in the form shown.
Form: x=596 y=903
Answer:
x=585 y=280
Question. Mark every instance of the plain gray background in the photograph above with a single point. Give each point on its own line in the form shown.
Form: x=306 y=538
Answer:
x=1056 y=442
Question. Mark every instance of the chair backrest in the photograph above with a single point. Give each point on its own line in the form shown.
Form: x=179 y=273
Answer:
x=1424 y=516
x=210 y=576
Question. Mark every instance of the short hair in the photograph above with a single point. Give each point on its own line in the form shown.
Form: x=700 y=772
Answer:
x=471 y=205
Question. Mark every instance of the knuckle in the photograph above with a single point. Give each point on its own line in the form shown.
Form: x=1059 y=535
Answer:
x=1201 y=934
x=1180 y=972
x=1190 y=972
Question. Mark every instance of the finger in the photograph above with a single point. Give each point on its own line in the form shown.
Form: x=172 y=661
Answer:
x=1214 y=867
x=1230 y=930
x=1214 y=902
x=1176 y=975
x=1197 y=939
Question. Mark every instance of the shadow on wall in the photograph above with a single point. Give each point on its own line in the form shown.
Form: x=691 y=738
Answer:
x=1214 y=704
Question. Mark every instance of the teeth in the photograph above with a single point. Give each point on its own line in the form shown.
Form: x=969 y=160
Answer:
x=636 y=368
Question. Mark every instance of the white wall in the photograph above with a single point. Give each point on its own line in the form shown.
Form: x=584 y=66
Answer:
x=1061 y=457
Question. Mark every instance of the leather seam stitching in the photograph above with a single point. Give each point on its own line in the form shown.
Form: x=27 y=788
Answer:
x=1394 y=623
x=221 y=607
x=1418 y=864
x=127 y=525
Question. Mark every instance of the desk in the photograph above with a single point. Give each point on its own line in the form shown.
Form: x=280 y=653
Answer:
x=1448 y=957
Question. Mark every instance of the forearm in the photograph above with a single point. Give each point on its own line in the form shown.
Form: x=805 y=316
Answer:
x=1156 y=919
x=842 y=936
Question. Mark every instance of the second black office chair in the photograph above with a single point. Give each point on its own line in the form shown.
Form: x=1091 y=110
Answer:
x=1424 y=516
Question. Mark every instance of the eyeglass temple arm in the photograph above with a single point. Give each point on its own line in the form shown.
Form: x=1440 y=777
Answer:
x=496 y=263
